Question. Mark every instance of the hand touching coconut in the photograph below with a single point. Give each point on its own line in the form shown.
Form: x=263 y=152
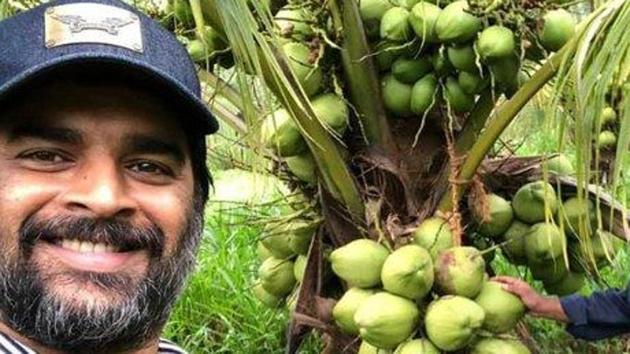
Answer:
x=536 y=304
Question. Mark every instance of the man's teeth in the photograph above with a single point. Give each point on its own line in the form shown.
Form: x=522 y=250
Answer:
x=87 y=247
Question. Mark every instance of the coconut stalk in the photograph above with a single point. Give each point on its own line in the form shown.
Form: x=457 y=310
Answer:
x=360 y=74
x=507 y=112
x=253 y=51
x=222 y=88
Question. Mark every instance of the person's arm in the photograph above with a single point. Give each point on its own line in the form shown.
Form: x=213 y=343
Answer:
x=602 y=315
x=536 y=304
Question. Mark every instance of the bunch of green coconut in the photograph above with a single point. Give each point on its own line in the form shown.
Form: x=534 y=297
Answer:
x=206 y=48
x=282 y=250
x=430 y=54
x=558 y=240
x=609 y=125
x=427 y=296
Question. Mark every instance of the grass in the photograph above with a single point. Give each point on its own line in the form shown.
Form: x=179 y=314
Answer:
x=217 y=312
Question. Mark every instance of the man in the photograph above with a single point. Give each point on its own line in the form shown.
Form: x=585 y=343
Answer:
x=599 y=316
x=102 y=178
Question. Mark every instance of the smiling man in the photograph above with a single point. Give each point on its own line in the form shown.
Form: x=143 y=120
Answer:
x=102 y=179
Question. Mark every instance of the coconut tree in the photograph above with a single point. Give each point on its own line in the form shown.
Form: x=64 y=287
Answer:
x=384 y=114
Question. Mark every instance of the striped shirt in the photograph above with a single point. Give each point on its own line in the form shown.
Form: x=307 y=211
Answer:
x=10 y=345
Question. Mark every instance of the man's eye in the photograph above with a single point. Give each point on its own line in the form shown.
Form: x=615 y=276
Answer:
x=45 y=156
x=148 y=167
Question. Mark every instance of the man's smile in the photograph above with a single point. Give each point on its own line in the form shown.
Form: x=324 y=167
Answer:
x=90 y=257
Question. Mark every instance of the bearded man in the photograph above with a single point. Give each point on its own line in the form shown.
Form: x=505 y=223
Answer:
x=103 y=179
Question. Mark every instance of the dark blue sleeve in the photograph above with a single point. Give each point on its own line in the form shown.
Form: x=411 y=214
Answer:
x=601 y=315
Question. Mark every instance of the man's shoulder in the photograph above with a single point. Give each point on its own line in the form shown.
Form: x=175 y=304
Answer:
x=168 y=347
x=12 y=346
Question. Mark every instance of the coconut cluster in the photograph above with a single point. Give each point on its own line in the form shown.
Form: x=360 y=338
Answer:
x=444 y=55
x=427 y=296
x=282 y=251
x=557 y=239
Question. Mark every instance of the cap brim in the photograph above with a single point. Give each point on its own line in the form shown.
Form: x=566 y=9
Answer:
x=198 y=114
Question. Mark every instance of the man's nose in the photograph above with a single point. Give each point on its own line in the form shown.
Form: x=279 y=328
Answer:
x=99 y=191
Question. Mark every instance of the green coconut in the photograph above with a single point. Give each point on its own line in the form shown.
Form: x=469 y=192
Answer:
x=423 y=94
x=294 y=21
x=514 y=248
x=463 y=58
x=183 y=13
x=396 y=96
x=472 y=83
x=441 y=65
x=367 y=348
x=499 y=346
x=576 y=211
x=359 y=262
x=417 y=346
x=503 y=309
x=395 y=25
x=530 y=201
x=213 y=39
x=605 y=246
x=457 y=99
x=557 y=28
x=455 y=24
x=276 y=240
x=300 y=235
x=408 y=272
x=608 y=116
x=496 y=42
x=299 y=266
x=292 y=300
x=303 y=167
x=386 y=52
x=505 y=72
x=344 y=310
x=422 y=18
x=499 y=217
x=407 y=4
x=559 y=165
x=452 y=322
x=262 y=251
x=386 y=320
x=333 y=111
x=276 y=276
x=551 y=271
x=280 y=134
x=265 y=297
x=460 y=271
x=543 y=243
x=409 y=71
x=570 y=284
x=305 y=67
x=197 y=50
x=434 y=235
x=606 y=140
x=371 y=13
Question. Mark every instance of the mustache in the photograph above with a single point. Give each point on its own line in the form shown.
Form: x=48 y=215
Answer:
x=114 y=232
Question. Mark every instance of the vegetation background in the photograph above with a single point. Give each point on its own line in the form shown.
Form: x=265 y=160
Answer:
x=217 y=312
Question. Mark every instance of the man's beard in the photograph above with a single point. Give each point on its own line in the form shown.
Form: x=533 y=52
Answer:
x=31 y=309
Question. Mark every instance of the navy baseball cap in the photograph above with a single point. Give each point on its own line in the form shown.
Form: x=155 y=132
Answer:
x=101 y=35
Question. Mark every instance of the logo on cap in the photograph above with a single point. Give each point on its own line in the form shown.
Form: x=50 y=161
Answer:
x=92 y=23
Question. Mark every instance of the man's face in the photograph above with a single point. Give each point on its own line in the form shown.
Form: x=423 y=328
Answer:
x=97 y=222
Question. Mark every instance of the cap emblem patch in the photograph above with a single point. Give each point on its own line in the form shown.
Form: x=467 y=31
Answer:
x=92 y=23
